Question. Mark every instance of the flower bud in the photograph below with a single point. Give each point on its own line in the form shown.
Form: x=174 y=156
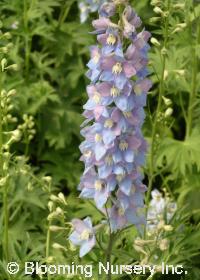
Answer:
x=55 y=228
x=16 y=135
x=47 y=179
x=168 y=228
x=164 y=244
x=12 y=92
x=158 y=10
x=3 y=64
x=7 y=35
x=154 y=19
x=13 y=67
x=155 y=42
x=168 y=112
x=166 y=74
x=58 y=246
x=62 y=198
x=167 y=101
x=59 y=211
x=50 y=206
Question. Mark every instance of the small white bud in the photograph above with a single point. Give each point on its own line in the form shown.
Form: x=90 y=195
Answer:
x=55 y=228
x=59 y=211
x=158 y=10
x=58 y=246
x=16 y=135
x=3 y=64
x=168 y=228
x=47 y=179
x=155 y=42
x=167 y=101
x=168 y=112
x=12 y=92
x=50 y=206
x=62 y=198
x=164 y=244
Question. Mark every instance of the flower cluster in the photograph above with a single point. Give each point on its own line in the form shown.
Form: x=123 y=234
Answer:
x=89 y=6
x=114 y=148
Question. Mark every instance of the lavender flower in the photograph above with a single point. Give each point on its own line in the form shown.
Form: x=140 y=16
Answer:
x=83 y=235
x=114 y=148
x=90 y=6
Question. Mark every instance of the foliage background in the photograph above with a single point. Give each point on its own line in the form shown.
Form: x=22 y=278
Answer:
x=50 y=47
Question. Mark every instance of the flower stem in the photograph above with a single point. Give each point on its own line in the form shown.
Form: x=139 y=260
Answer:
x=109 y=254
x=161 y=94
x=48 y=240
x=5 y=192
x=192 y=97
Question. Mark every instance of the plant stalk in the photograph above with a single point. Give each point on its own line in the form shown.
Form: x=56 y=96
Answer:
x=193 y=93
x=158 y=108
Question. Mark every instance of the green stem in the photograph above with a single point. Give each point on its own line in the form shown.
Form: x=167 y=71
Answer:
x=161 y=94
x=48 y=242
x=109 y=254
x=5 y=192
x=6 y=216
x=27 y=40
x=192 y=97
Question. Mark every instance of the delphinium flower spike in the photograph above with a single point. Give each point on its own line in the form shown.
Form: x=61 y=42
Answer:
x=114 y=147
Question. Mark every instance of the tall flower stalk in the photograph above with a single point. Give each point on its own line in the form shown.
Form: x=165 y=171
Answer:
x=114 y=148
x=163 y=53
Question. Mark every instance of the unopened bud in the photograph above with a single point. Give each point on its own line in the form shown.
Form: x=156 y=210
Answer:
x=164 y=51
x=47 y=179
x=13 y=67
x=50 y=259
x=180 y=72
x=3 y=64
x=158 y=10
x=50 y=206
x=58 y=246
x=55 y=228
x=62 y=198
x=3 y=181
x=59 y=211
x=167 y=101
x=166 y=74
x=155 y=42
x=164 y=245
x=12 y=92
x=168 y=228
x=154 y=19
x=7 y=35
x=16 y=135
x=168 y=112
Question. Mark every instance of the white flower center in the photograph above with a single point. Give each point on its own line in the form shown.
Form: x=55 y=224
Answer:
x=96 y=58
x=127 y=114
x=98 y=138
x=121 y=211
x=109 y=160
x=88 y=153
x=108 y=123
x=120 y=177
x=98 y=185
x=114 y=92
x=97 y=98
x=117 y=68
x=85 y=235
x=111 y=40
x=123 y=145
